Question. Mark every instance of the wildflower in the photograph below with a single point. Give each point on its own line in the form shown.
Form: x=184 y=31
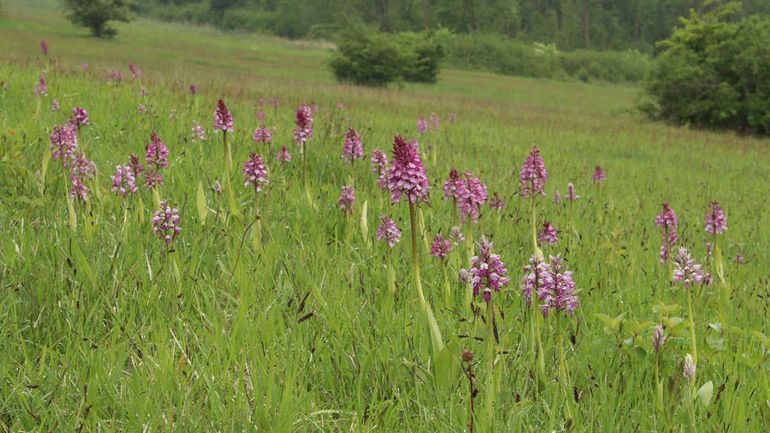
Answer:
x=255 y=172
x=157 y=152
x=440 y=248
x=422 y=128
x=41 y=88
x=533 y=175
x=80 y=117
x=452 y=184
x=379 y=161
x=55 y=105
x=77 y=188
x=556 y=198
x=116 y=76
x=198 y=133
x=658 y=337
x=153 y=178
x=352 y=149
x=739 y=259
x=223 y=120
x=193 y=89
x=559 y=292
x=716 y=220
x=123 y=181
x=537 y=275
x=487 y=271
x=571 y=195
x=347 y=200
x=388 y=231
x=464 y=277
x=135 y=72
x=44 y=47
x=262 y=135
x=689 y=368
x=83 y=166
x=141 y=109
x=548 y=234
x=667 y=221
x=304 y=121
x=434 y=122
x=143 y=92
x=340 y=106
x=283 y=155
x=686 y=270
x=599 y=175
x=496 y=202
x=407 y=174
x=135 y=164
x=165 y=222
x=472 y=194
x=84 y=67
x=456 y=235
x=64 y=141
x=217 y=187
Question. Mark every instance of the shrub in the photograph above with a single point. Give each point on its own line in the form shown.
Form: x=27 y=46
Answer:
x=715 y=72
x=374 y=59
x=366 y=58
x=421 y=57
x=96 y=14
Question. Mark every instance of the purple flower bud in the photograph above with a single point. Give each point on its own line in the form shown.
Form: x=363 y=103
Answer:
x=283 y=155
x=658 y=337
x=533 y=175
x=548 y=234
x=388 y=231
x=422 y=128
x=571 y=195
x=686 y=270
x=44 y=47
x=496 y=202
x=440 y=248
x=80 y=116
x=407 y=174
x=262 y=135
x=487 y=271
x=716 y=220
x=198 y=133
x=304 y=121
x=347 y=200
x=599 y=175
x=379 y=161
x=471 y=195
x=255 y=172
x=352 y=149
x=157 y=152
x=64 y=141
x=123 y=181
x=77 y=188
x=41 y=88
x=223 y=119
x=165 y=223
x=452 y=184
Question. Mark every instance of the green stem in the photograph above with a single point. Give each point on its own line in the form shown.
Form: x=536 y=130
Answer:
x=692 y=328
x=563 y=376
x=435 y=333
x=228 y=157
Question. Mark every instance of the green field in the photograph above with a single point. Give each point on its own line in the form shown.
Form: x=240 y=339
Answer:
x=103 y=329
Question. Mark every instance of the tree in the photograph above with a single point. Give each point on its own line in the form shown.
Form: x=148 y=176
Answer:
x=96 y=14
x=715 y=72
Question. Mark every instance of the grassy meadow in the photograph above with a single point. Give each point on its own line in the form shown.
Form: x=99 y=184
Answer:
x=295 y=328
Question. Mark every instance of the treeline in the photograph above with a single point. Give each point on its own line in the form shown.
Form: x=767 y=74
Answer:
x=567 y=24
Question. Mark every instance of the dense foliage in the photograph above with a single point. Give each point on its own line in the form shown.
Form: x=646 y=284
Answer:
x=568 y=24
x=715 y=72
x=376 y=59
x=96 y=14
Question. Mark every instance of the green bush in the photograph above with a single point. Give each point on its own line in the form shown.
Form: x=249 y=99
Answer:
x=421 y=57
x=96 y=14
x=374 y=59
x=366 y=58
x=715 y=72
x=511 y=57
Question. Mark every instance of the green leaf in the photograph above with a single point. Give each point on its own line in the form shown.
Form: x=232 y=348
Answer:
x=705 y=392
x=447 y=366
x=612 y=323
x=81 y=263
x=200 y=201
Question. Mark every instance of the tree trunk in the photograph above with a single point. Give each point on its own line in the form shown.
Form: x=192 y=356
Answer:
x=585 y=23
